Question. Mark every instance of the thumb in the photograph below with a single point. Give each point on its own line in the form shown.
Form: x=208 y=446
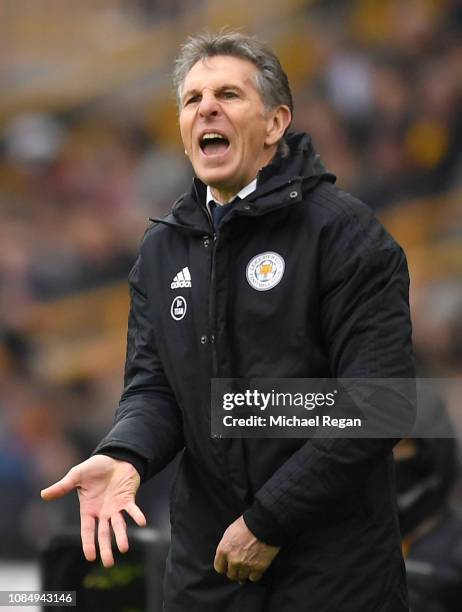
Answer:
x=60 y=488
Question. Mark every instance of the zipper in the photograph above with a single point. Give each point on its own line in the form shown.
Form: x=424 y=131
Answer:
x=212 y=308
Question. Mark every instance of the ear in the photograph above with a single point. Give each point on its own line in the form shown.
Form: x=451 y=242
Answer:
x=278 y=121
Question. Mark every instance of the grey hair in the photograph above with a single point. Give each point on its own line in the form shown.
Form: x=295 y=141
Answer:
x=271 y=80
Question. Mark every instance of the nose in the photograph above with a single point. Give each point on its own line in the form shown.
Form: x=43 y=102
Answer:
x=208 y=106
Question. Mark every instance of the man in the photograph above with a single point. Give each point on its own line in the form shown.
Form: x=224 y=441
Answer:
x=258 y=525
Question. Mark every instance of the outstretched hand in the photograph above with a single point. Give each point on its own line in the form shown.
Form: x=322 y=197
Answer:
x=106 y=487
x=241 y=556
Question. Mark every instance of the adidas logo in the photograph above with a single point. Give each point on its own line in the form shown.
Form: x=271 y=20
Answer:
x=182 y=279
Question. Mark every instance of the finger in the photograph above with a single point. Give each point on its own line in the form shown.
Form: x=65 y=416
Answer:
x=104 y=542
x=232 y=571
x=255 y=576
x=220 y=563
x=119 y=527
x=243 y=574
x=87 y=534
x=136 y=514
x=60 y=488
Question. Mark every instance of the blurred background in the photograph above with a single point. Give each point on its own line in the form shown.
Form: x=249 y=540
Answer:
x=89 y=149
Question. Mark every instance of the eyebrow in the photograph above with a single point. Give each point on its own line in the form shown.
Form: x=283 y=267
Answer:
x=195 y=92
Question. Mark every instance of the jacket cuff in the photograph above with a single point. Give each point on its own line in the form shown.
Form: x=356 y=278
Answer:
x=263 y=526
x=124 y=454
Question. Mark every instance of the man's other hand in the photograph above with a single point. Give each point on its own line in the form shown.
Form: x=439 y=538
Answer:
x=241 y=556
x=106 y=487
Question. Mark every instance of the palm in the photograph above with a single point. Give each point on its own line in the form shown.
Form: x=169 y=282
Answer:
x=106 y=487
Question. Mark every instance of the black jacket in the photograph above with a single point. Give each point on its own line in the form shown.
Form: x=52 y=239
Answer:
x=339 y=310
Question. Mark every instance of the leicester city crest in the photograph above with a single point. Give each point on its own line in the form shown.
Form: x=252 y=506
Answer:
x=264 y=271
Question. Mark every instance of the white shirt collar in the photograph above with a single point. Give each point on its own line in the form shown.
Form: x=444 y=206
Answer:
x=244 y=192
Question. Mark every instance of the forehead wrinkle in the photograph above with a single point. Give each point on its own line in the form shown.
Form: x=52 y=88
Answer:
x=206 y=61
x=217 y=89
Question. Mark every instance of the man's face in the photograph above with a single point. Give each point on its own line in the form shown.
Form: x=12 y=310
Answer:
x=226 y=131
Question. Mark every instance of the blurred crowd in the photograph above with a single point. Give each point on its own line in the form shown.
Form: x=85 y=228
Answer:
x=75 y=201
x=379 y=88
x=386 y=110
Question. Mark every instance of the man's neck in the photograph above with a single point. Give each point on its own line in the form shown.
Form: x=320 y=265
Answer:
x=215 y=194
x=224 y=196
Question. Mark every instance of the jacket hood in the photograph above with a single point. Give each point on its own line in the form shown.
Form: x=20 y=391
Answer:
x=301 y=167
x=301 y=161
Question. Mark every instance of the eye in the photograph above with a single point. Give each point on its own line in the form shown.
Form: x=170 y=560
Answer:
x=228 y=94
x=191 y=100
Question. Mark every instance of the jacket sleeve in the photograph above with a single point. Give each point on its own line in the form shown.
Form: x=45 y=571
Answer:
x=366 y=327
x=148 y=422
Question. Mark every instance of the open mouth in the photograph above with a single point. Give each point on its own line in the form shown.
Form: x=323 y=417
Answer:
x=213 y=143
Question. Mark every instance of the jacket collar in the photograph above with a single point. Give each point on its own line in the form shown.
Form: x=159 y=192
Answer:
x=295 y=173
